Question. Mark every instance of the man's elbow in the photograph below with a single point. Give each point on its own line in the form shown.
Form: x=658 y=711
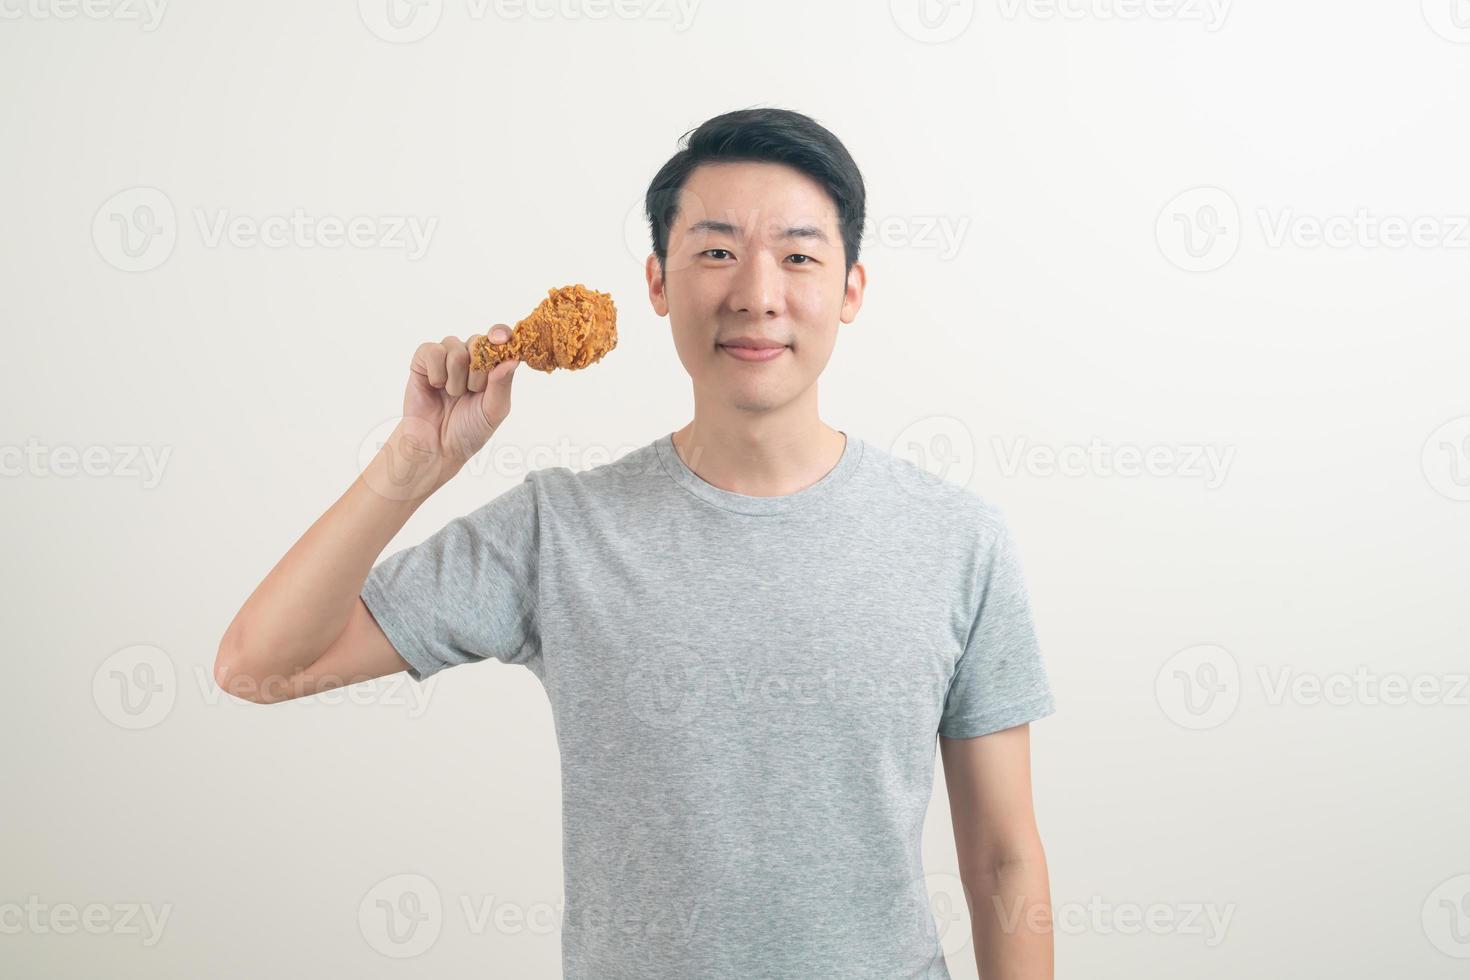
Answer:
x=230 y=672
x=1008 y=857
x=1031 y=854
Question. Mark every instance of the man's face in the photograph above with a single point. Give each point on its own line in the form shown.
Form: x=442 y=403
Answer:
x=755 y=256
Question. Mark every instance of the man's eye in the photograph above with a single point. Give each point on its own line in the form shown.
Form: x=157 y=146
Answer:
x=807 y=259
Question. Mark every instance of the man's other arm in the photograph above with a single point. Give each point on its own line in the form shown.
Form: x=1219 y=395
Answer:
x=1002 y=863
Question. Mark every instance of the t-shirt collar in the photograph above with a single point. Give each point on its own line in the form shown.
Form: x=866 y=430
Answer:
x=740 y=503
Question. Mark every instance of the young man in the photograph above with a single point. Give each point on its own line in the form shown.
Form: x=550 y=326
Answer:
x=751 y=630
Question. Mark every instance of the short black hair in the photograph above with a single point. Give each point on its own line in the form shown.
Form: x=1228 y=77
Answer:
x=762 y=135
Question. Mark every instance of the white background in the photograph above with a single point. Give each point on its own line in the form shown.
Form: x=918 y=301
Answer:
x=1079 y=306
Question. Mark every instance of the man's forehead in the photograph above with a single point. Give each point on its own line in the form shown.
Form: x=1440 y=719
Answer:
x=760 y=221
x=761 y=198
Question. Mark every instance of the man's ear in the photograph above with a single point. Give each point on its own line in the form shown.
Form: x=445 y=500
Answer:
x=655 y=276
x=852 y=297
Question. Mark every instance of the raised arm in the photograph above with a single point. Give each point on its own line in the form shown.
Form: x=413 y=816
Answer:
x=305 y=628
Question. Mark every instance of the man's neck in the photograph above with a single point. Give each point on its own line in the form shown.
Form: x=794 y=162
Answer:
x=769 y=458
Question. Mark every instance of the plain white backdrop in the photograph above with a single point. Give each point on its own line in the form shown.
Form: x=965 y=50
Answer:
x=1180 y=285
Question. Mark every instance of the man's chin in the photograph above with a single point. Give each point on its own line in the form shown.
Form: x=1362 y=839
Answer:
x=753 y=396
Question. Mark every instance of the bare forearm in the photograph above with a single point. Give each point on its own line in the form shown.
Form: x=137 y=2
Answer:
x=1011 y=918
x=303 y=604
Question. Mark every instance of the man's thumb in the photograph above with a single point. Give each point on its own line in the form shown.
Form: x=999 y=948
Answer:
x=495 y=399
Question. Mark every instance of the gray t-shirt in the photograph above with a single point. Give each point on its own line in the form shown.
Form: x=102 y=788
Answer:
x=746 y=693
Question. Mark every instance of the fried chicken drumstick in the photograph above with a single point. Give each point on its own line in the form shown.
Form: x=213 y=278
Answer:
x=571 y=328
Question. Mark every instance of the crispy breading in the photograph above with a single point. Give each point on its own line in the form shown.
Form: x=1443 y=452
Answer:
x=571 y=328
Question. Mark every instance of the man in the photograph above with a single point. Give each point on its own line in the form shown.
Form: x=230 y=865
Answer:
x=751 y=631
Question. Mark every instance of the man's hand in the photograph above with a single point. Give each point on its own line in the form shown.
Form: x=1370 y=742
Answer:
x=449 y=413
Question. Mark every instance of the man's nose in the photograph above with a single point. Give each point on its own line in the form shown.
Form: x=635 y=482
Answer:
x=757 y=287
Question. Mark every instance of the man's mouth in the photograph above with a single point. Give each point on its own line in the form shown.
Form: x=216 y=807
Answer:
x=753 y=349
x=754 y=353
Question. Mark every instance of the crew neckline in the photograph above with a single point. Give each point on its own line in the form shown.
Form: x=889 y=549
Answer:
x=680 y=473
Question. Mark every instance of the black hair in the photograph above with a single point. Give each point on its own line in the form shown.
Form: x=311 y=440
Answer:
x=762 y=135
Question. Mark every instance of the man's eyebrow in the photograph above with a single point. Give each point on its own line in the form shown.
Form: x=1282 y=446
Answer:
x=807 y=231
x=726 y=228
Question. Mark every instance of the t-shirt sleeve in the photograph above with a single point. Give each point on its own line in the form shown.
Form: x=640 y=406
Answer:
x=466 y=593
x=999 y=680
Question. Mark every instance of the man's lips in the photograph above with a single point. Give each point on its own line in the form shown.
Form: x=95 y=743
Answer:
x=753 y=353
x=752 y=342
